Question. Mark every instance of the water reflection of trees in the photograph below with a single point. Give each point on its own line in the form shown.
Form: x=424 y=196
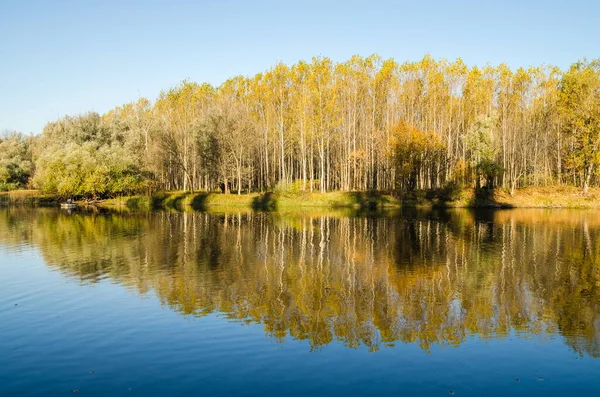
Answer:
x=374 y=281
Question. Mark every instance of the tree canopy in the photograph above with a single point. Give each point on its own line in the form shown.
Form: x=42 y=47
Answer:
x=363 y=124
x=16 y=166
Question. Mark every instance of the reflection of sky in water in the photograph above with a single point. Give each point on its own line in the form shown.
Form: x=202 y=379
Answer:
x=62 y=328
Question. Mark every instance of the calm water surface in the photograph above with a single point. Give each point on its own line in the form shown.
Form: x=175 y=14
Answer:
x=254 y=304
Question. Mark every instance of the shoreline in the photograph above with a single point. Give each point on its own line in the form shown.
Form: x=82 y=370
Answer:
x=538 y=197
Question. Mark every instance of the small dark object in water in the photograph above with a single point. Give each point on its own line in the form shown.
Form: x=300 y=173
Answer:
x=16 y=304
x=517 y=380
x=75 y=391
x=91 y=372
x=451 y=391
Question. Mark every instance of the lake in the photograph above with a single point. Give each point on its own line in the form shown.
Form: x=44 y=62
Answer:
x=412 y=303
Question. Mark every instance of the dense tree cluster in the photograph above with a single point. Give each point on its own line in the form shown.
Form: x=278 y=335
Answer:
x=16 y=166
x=87 y=156
x=364 y=124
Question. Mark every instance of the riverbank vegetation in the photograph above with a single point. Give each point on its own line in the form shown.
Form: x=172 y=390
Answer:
x=532 y=197
x=367 y=124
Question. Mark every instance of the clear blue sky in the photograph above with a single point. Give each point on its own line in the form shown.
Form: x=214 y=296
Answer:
x=67 y=57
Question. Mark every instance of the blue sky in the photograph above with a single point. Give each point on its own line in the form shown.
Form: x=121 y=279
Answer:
x=68 y=57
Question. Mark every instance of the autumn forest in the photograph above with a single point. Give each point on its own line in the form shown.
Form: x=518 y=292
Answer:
x=364 y=124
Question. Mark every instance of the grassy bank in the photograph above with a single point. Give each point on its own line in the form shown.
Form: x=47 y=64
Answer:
x=531 y=197
x=539 y=197
x=28 y=197
x=256 y=201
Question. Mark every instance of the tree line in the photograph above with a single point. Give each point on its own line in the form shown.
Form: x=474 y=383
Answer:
x=363 y=124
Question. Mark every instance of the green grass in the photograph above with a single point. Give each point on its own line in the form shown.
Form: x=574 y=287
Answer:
x=295 y=201
x=256 y=201
x=540 y=197
x=27 y=198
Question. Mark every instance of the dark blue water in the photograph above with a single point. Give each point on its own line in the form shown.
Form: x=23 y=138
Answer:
x=464 y=304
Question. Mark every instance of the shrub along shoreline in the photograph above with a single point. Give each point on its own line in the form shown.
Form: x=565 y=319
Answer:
x=539 y=197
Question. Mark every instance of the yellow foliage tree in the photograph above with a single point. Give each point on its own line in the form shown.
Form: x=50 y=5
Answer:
x=415 y=153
